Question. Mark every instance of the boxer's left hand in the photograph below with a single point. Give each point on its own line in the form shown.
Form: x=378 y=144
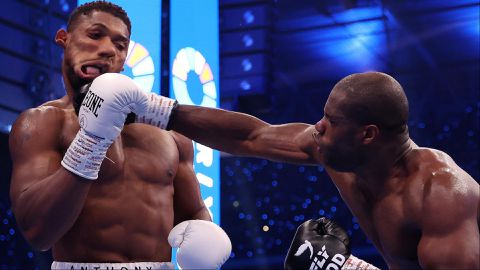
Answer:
x=318 y=244
x=202 y=244
x=322 y=244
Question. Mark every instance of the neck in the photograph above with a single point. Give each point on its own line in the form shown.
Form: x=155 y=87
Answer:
x=384 y=164
x=67 y=84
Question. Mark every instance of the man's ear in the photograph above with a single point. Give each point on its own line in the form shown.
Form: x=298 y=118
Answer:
x=61 y=38
x=370 y=133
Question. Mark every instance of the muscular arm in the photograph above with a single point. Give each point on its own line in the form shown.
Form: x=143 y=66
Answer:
x=46 y=198
x=188 y=203
x=243 y=134
x=450 y=236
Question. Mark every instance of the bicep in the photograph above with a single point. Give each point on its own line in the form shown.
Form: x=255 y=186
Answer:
x=33 y=152
x=450 y=235
x=457 y=248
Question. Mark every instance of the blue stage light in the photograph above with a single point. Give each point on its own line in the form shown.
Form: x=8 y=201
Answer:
x=247 y=40
x=248 y=17
x=246 y=64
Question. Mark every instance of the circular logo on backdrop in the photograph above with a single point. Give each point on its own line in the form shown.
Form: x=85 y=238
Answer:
x=141 y=65
x=190 y=60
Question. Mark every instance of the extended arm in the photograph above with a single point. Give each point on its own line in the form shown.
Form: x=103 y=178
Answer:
x=46 y=198
x=450 y=236
x=243 y=134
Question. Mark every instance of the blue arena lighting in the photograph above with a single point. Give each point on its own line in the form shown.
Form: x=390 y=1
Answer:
x=246 y=64
x=248 y=17
x=245 y=85
x=247 y=40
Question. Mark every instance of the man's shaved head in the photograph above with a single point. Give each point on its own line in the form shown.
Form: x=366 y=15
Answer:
x=374 y=98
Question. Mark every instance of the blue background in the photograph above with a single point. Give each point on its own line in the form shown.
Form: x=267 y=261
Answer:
x=195 y=24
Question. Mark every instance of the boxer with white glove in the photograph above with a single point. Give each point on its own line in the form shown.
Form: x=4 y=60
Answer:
x=102 y=114
x=322 y=244
x=201 y=244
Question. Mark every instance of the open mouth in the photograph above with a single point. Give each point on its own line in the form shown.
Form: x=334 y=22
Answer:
x=91 y=71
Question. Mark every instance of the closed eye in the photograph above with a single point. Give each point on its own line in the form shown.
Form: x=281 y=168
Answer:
x=329 y=119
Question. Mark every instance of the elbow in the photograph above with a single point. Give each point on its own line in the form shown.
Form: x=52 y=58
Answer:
x=38 y=241
x=37 y=237
x=35 y=232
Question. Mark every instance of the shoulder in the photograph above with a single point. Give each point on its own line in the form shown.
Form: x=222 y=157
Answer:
x=44 y=117
x=437 y=168
x=445 y=187
x=37 y=129
x=50 y=109
x=427 y=164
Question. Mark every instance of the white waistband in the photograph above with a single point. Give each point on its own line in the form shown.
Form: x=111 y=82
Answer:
x=112 y=266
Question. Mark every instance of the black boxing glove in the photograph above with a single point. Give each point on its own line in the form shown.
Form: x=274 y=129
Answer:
x=318 y=244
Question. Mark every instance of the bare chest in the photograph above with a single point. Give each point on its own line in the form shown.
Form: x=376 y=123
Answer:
x=390 y=225
x=129 y=208
x=141 y=153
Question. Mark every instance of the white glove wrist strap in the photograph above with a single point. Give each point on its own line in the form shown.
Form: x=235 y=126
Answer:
x=85 y=154
x=158 y=112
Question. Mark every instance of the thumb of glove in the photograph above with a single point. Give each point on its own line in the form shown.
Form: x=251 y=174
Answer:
x=175 y=237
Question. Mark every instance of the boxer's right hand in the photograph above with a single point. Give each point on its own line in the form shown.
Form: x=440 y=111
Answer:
x=318 y=244
x=111 y=96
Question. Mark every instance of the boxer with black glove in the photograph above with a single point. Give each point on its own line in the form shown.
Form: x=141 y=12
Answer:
x=322 y=244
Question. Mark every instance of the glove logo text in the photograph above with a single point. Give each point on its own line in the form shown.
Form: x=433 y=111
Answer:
x=92 y=102
x=322 y=256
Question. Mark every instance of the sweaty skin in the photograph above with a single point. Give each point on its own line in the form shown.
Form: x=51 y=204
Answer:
x=146 y=184
x=419 y=208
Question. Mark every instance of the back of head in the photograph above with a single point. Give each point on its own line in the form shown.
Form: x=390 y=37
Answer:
x=103 y=6
x=375 y=98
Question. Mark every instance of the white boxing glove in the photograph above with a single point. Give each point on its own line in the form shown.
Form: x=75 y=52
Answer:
x=201 y=244
x=111 y=96
x=159 y=111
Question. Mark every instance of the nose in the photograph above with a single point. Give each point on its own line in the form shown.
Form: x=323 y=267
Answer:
x=320 y=126
x=320 y=130
x=106 y=48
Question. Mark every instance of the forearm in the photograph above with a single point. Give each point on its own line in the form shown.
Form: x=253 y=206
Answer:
x=223 y=130
x=47 y=209
x=203 y=214
x=200 y=214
